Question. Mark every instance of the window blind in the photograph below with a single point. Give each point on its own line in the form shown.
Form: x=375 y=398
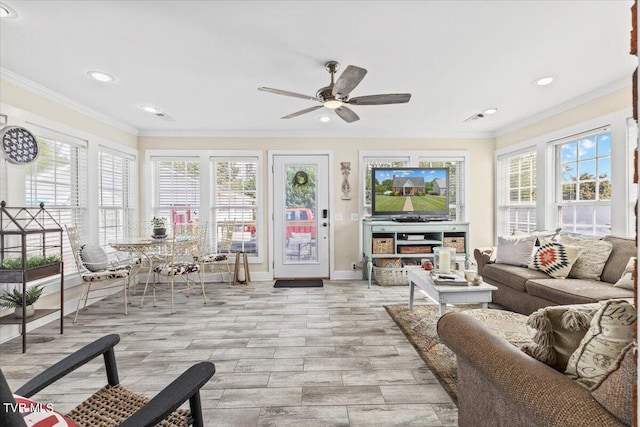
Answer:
x=235 y=201
x=516 y=179
x=176 y=189
x=115 y=194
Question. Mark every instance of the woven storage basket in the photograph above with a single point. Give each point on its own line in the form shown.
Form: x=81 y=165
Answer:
x=393 y=276
x=454 y=242
x=382 y=245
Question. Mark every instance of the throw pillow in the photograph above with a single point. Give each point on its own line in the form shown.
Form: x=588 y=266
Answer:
x=542 y=236
x=514 y=250
x=37 y=414
x=615 y=390
x=555 y=259
x=94 y=257
x=610 y=331
x=558 y=332
x=626 y=281
x=591 y=261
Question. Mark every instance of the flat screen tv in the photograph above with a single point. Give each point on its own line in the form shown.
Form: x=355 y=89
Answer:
x=404 y=192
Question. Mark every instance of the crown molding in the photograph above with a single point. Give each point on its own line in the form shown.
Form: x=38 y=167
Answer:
x=572 y=103
x=212 y=133
x=64 y=101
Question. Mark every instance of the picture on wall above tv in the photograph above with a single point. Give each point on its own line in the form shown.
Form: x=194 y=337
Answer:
x=410 y=192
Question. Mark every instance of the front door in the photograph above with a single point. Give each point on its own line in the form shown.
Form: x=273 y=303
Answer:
x=301 y=216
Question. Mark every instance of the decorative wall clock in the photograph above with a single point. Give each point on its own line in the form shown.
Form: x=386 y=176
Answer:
x=19 y=146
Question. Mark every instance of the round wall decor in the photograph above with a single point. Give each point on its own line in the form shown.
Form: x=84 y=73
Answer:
x=19 y=146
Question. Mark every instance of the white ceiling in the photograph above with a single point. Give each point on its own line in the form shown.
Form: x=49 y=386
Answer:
x=201 y=62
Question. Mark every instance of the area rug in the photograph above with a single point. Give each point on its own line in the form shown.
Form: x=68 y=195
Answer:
x=419 y=326
x=298 y=283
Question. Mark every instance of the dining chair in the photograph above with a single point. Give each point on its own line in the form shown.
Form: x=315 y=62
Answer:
x=178 y=263
x=113 y=404
x=215 y=259
x=98 y=271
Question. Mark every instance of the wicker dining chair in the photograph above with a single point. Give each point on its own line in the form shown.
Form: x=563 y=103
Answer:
x=97 y=271
x=114 y=405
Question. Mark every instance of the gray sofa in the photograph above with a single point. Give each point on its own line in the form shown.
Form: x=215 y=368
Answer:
x=524 y=290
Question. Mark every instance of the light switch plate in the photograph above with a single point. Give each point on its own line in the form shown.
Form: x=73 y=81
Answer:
x=355 y=217
x=338 y=217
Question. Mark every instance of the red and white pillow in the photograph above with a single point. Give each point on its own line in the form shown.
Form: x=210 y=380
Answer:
x=555 y=259
x=40 y=415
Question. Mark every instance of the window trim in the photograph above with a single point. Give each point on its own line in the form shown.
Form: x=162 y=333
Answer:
x=546 y=172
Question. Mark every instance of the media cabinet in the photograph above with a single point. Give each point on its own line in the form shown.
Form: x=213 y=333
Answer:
x=411 y=241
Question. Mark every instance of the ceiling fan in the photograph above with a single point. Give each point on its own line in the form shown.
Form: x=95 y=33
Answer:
x=336 y=95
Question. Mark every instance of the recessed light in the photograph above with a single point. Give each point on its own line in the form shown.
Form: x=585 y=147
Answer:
x=324 y=119
x=7 y=12
x=490 y=111
x=101 y=76
x=150 y=109
x=543 y=81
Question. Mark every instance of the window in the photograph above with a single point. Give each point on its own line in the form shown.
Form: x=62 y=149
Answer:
x=235 y=202
x=58 y=178
x=516 y=192
x=455 y=162
x=176 y=190
x=583 y=184
x=456 y=185
x=115 y=195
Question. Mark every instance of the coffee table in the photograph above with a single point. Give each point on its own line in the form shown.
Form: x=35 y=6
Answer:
x=451 y=294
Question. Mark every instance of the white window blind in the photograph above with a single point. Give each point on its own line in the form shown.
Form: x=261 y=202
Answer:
x=116 y=173
x=235 y=201
x=58 y=178
x=176 y=189
x=516 y=192
x=583 y=182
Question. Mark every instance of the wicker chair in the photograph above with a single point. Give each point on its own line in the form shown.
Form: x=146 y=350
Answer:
x=110 y=273
x=113 y=405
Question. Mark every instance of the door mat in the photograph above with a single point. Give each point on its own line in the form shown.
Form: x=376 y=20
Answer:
x=298 y=283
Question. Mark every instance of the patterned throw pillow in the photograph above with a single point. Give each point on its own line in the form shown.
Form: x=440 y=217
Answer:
x=555 y=259
x=515 y=250
x=626 y=281
x=611 y=330
x=559 y=329
x=591 y=261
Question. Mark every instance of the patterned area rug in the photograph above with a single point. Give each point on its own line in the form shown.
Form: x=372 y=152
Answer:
x=419 y=326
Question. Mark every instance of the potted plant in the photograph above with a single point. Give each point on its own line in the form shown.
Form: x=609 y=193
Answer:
x=159 y=226
x=13 y=299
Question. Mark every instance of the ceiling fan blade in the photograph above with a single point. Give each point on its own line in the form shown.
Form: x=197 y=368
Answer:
x=347 y=114
x=287 y=93
x=348 y=80
x=301 y=112
x=390 y=98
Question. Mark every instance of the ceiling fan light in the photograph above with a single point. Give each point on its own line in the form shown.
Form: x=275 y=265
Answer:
x=333 y=104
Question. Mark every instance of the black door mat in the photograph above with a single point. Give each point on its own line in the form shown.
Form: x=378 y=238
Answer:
x=298 y=283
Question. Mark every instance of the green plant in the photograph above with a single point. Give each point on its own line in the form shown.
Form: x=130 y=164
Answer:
x=14 y=298
x=33 y=261
x=158 y=222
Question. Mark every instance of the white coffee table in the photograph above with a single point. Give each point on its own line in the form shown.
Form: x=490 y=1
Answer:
x=444 y=295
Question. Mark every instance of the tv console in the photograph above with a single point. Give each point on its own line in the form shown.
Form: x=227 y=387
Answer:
x=410 y=241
